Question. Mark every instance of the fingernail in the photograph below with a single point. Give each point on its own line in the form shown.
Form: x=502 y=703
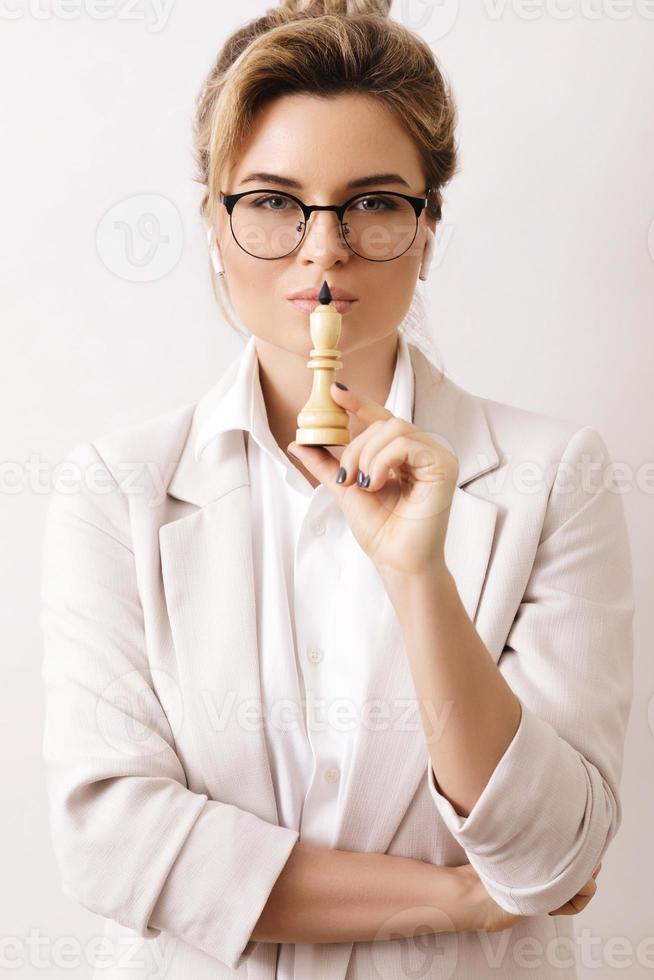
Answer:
x=360 y=478
x=366 y=482
x=341 y=475
x=341 y=386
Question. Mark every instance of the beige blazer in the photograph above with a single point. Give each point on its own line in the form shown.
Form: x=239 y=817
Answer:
x=162 y=808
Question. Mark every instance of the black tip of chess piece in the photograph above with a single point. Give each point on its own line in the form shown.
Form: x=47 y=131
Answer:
x=324 y=296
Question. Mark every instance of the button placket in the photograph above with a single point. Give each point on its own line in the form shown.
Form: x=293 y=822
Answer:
x=318 y=569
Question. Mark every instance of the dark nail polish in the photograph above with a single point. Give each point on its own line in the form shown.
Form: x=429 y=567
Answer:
x=366 y=482
x=359 y=478
x=341 y=385
x=341 y=475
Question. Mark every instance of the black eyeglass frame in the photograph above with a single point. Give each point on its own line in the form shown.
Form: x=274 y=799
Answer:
x=418 y=204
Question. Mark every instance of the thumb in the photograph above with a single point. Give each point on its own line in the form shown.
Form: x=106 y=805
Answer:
x=320 y=463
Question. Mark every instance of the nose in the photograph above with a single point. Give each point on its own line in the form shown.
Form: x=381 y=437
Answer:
x=323 y=239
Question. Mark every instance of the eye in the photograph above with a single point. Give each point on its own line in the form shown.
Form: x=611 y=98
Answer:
x=384 y=202
x=271 y=197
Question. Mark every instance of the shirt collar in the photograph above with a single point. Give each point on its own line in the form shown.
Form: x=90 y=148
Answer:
x=242 y=405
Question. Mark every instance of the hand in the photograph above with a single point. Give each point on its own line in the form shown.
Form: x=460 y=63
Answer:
x=400 y=519
x=488 y=916
x=579 y=901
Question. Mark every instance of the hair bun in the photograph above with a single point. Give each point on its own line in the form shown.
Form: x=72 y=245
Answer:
x=344 y=8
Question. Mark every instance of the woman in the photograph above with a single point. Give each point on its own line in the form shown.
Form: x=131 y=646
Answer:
x=219 y=580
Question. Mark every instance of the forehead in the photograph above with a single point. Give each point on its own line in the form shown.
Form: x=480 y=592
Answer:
x=325 y=142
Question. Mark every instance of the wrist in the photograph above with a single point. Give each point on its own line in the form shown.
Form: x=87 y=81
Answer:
x=456 y=892
x=408 y=591
x=468 y=905
x=437 y=573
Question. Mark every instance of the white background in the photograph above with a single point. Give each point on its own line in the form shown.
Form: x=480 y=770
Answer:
x=542 y=296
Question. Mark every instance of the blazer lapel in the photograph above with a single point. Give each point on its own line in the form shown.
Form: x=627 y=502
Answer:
x=208 y=580
x=207 y=570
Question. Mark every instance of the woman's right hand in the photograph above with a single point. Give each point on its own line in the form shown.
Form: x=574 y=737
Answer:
x=488 y=916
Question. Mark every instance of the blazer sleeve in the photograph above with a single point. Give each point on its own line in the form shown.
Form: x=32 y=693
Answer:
x=132 y=842
x=551 y=807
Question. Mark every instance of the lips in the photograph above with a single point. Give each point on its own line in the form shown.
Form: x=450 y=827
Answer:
x=309 y=305
x=313 y=294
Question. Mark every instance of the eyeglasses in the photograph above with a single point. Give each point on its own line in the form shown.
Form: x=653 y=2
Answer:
x=269 y=225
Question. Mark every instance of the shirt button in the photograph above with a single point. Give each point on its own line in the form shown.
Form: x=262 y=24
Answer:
x=315 y=655
x=318 y=526
x=332 y=774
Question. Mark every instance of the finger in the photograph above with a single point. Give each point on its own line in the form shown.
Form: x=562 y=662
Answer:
x=382 y=436
x=563 y=910
x=403 y=450
x=428 y=462
x=573 y=907
x=579 y=901
x=366 y=409
x=364 y=446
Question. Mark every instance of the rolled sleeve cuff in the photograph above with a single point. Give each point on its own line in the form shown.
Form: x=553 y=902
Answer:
x=492 y=818
x=219 y=885
x=530 y=835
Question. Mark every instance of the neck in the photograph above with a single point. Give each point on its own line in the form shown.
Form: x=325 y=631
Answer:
x=286 y=382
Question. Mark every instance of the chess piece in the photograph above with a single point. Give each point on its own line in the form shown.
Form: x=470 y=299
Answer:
x=322 y=422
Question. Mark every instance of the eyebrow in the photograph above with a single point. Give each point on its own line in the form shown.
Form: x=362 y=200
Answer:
x=265 y=178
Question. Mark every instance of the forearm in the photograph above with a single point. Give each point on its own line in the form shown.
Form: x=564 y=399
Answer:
x=325 y=895
x=469 y=712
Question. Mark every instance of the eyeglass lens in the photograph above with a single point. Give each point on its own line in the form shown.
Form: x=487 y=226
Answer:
x=377 y=227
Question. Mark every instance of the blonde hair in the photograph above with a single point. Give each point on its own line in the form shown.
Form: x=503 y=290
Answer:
x=325 y=48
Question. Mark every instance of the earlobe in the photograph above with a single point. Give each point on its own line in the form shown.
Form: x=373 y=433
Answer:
x=427 y=256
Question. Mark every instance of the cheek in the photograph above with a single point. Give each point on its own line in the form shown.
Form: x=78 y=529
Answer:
x=258 y=296
x=250 y=280
x=396 y=290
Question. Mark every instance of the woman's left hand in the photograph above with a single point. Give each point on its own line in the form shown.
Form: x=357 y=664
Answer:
x=400 y=518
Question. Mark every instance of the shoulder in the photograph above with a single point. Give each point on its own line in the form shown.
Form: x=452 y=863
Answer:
x=153 y=443
x=556 y=464
x=157 y=440
x=487 y=432
x=153 y=446
x=101 y=481
x=523 y=433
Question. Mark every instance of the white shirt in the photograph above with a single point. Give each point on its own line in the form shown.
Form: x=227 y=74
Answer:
x=322 y=615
